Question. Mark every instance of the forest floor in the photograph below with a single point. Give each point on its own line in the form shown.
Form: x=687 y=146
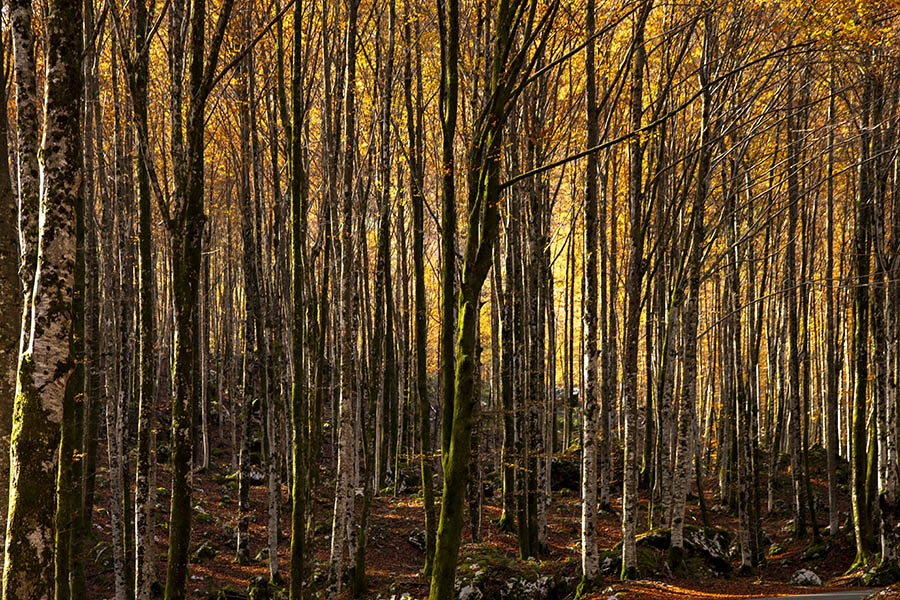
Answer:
x=394 y=559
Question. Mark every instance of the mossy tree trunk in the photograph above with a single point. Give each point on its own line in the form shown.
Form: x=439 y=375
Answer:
x=45 y=362
x=508 y=70
x=11 y=315
x=185 y=223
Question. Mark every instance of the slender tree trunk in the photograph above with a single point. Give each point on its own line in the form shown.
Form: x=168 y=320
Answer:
x=299 y=408
x=255 y=388
x=11 y=318
x=790 y=266
x=590 y=559
x=633 y=279
x=483 y=220
x=862 y=242
x=417 y=193
x=144 y=545
x=186 y=234
x=344 y=497
x=832 y=369
x=27 y=176
x=687 y=415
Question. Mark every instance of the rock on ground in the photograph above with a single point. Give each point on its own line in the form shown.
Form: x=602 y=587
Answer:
x=805 y=577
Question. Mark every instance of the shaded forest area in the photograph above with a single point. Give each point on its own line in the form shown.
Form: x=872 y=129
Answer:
x=467 y=300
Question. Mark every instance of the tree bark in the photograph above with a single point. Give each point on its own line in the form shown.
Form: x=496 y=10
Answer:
x=299 y=407
x=11 y=318
x=186 y=234
x=417 y=191
x=45 y=363
x=590 y=558
x=862 y=243
x=688 y=406
x=633 y=278
x=344 y=496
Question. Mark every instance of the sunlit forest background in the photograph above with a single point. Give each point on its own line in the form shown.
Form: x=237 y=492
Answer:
x=459 y=299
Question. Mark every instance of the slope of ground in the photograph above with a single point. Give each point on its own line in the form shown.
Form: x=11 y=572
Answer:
x=395 y=556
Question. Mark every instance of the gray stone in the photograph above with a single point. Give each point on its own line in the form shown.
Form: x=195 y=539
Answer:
x=805 y=577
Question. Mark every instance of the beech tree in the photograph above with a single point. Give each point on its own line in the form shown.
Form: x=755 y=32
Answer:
x=185 y=222
x=45 y=362
x=10 y=323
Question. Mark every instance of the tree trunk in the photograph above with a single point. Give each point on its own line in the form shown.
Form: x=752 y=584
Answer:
x=832 y=369
x=590 y=558
x=687 y=415
x=344 y=496
x=862 y=243
x=186 y=234
x=11 y=318
x=633 y=279
x=45 y=363
x=790 y=266
x=483 y=217
x=299 y=408
x=144 y=544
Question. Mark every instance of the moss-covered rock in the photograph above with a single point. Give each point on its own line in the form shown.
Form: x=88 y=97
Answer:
x=883 y=575
x=710 y=544
x=201 y=517
x=485 y=572
x=226 y=593
x=204 y=551
x=259 y=589
x=815 y=551
x=649 y=561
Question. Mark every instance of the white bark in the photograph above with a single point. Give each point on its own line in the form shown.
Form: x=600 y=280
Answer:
x=274 y=486
x=45 y=362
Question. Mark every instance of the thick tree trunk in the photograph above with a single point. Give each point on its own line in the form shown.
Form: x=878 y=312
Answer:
x=45 y=363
